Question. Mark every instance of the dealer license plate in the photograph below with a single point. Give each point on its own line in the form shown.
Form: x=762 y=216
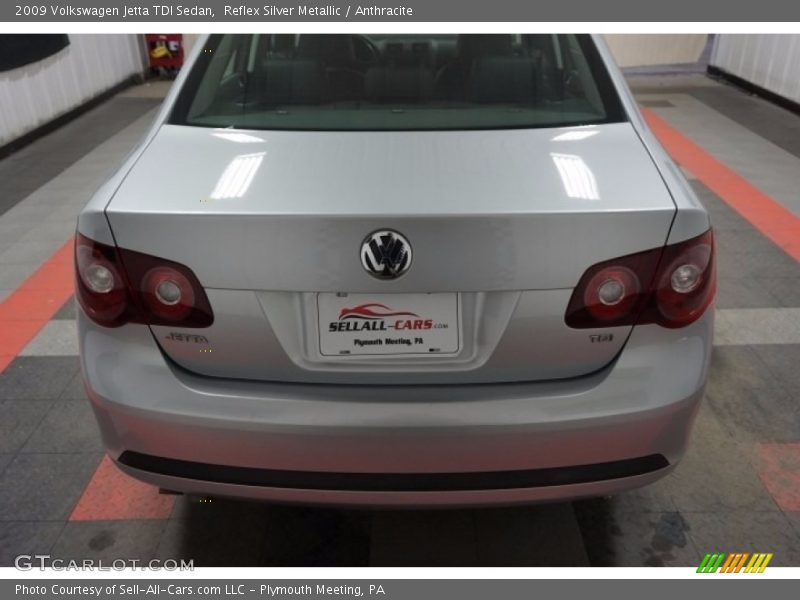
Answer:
x=388 y=324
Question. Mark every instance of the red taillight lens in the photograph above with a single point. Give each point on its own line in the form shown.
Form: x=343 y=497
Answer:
x=634 y=273
x=100 y=287
x=117 y=286
x=670 y=286
x=168 y=293
x=611 y=293
x=686 y=284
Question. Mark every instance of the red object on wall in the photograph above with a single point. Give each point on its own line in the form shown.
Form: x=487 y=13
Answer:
x=164 y=51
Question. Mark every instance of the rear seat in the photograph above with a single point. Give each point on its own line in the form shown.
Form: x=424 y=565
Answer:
x=291 y=81
x=399 y=84
x=406 y=78
x=503 y=79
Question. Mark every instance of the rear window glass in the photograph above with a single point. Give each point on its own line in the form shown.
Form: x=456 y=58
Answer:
x=397 y=82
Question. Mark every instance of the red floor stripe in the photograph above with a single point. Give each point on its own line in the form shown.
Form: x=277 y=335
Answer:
x=780 y=473
x=112 y=495
x=33 y=304
x=770 y=217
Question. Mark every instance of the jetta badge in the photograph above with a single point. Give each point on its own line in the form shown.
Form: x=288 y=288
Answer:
x=386 y=254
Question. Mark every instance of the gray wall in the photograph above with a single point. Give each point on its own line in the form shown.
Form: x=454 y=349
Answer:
x=37 y=93
x=769 y=60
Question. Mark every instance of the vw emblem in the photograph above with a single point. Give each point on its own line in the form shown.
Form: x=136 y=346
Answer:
x=386 y=254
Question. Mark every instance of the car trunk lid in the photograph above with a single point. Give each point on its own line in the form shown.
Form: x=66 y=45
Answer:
x=504 y=222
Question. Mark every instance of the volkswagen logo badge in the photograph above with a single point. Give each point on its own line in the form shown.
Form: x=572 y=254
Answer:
x=386 y=254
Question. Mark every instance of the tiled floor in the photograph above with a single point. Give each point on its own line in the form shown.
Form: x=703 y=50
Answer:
x=738 y=489
x=24 y=172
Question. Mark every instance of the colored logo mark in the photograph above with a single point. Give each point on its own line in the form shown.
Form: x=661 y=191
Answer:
x=735 y=563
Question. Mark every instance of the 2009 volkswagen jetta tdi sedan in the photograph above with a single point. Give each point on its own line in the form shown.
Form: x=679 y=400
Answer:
x=396 y=269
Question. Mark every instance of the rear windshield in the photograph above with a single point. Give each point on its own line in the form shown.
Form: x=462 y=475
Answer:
x=397 y=82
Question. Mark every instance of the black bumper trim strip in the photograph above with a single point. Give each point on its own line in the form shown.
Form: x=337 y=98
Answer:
x=394 y=482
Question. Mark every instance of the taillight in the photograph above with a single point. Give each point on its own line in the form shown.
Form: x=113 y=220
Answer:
x=117 y=286
x=686 y=283
x=670 y=286
x=168 y=293
x=611 y=293
x=100 y=287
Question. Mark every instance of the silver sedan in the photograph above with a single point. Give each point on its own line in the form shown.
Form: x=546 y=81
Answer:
x=398 y=270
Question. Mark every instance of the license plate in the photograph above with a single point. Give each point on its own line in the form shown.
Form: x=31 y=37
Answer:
x=388 y=324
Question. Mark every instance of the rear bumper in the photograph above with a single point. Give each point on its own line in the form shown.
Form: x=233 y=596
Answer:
x=398 y=445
